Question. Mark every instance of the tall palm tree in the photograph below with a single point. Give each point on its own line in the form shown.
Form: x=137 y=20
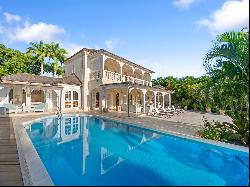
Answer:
x=58 y=55
x=39 y=51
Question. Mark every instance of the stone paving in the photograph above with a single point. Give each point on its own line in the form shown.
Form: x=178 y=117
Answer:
x=187 y=123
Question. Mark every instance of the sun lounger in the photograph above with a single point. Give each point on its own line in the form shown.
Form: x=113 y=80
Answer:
x=177 y=109
x=42 y=107
x=156 y=112
x=8 y=108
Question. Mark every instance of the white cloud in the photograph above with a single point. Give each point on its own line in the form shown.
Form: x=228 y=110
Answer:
x=11 y=17
x=183 y=3
x=111 y=43
x=232 y=15
x=34 y=32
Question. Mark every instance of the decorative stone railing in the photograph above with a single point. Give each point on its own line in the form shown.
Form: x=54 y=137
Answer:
x=113 y=77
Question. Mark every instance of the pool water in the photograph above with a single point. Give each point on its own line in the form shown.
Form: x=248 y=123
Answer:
x=85 y=150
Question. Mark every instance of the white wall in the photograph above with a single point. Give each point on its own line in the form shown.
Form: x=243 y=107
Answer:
x=4 y=95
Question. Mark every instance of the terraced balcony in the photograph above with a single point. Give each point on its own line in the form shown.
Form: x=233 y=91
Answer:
x=113 y=77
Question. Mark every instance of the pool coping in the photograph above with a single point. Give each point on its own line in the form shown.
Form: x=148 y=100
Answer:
x=33 y=170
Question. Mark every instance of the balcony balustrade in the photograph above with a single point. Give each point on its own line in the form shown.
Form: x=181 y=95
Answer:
x=113 y=77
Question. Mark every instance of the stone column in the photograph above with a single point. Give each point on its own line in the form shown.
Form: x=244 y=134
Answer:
x=155 y=93
x=102 y=99
x=28 y=97
x=163 y=100
x=144 y=100
x=169 y=99
x=48 y=98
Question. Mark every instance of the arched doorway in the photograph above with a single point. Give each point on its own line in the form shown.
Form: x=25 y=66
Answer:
x=117 y=101
x=24 y=97
x=11 y=96
x=136 y=101
x=97 y=99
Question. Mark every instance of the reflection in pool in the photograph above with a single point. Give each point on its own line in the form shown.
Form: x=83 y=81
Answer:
x=82 y=150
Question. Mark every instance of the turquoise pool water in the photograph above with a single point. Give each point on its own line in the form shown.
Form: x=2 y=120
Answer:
x=82 y=150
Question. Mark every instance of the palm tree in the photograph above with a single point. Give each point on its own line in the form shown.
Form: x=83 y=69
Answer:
x=228 y=65
x=39 y=51
x=58 y=55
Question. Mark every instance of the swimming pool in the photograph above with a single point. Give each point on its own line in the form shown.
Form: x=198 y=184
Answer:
x=87 y=150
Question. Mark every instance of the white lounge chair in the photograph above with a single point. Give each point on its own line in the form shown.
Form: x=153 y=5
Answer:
x=42 y=107
x=8 y=108
x=177 y=109
x=26 y=108
x=167 y=111
x=156 y=112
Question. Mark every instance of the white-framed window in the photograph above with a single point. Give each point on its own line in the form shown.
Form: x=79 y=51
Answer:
x=71 y=99
x=68 y=99
x=75 y=99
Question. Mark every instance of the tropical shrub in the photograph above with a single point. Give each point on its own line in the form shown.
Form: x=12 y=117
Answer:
x=225 y=132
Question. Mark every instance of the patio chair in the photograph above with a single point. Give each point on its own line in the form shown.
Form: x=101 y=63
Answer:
x=156 y=111
x=168 y=112
x=8 y=108
x=42 y=107
x=26 y=108
x=177 y=109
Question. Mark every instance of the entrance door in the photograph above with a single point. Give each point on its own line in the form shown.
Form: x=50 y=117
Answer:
x=97 y=99
x=117 y=99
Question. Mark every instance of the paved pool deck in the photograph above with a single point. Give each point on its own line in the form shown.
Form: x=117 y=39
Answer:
x=186 y=123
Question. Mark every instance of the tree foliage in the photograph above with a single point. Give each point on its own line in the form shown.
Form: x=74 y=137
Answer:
x=52 y=52
x=225 y=87
x=13 y=61
x=189 y=91
x=227 y=63
x=40 y=57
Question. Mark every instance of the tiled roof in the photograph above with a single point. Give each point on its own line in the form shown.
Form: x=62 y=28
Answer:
x=30 y=78
x=95 y=51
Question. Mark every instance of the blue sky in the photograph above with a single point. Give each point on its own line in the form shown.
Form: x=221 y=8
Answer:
x=170 y=37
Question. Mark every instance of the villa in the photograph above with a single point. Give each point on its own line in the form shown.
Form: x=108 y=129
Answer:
x=94 y=80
